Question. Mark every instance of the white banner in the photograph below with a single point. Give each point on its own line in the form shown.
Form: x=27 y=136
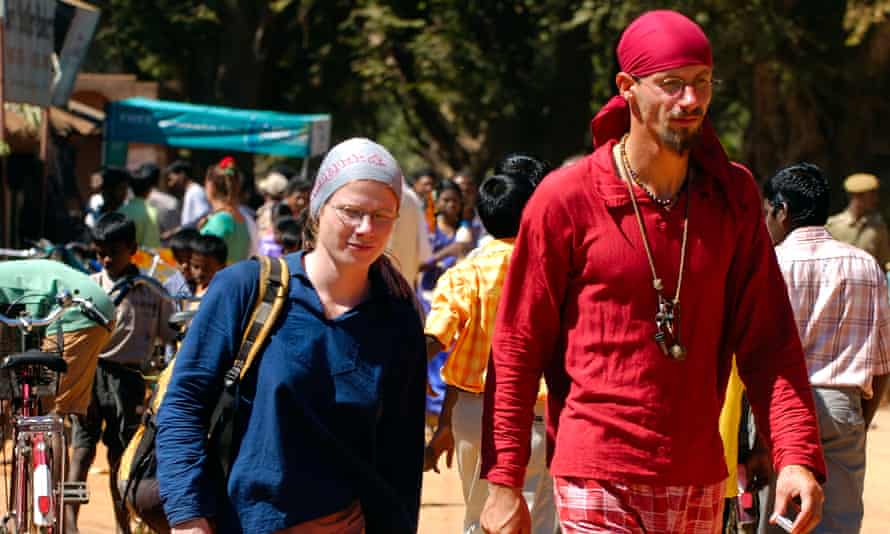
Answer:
x=29 y=44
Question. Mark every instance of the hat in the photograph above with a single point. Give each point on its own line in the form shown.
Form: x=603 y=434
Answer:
x=861 y=183
x=273 y=184
x=354 y=159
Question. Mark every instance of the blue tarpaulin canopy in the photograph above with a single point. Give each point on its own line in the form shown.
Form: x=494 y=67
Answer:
x=141 y=120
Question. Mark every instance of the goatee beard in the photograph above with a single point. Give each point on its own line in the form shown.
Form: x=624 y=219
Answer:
x=680 y=141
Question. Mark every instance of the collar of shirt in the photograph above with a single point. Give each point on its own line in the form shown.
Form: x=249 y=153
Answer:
x=305 y=293
x=846 y=217
x=613 y=190
x=805 y=234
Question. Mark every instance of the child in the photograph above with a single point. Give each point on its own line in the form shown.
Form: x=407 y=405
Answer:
x=119 y=388
x=289 y=234
x=462 y=315
x=208 y=256
x=182 y=284
x=269 y=244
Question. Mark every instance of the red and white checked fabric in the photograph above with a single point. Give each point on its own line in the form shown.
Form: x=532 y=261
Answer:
x=588 y=506
x=840 y=301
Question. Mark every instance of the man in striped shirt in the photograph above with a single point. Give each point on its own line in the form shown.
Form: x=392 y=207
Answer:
x=839 y=296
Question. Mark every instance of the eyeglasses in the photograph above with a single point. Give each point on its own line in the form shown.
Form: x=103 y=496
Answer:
x=675 y=86
x=353 y=216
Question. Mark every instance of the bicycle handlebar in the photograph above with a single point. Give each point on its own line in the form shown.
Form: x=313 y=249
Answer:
x=20 y=253
x=64 y=300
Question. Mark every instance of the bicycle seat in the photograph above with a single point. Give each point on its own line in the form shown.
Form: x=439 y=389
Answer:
x=50 y=360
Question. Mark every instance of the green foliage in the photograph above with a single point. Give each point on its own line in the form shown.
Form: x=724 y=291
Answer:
x=457 y=83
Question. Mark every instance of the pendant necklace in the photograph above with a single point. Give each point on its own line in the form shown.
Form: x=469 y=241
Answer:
x=667 y=313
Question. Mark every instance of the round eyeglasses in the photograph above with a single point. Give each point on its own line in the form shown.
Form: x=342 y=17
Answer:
x=353 y=216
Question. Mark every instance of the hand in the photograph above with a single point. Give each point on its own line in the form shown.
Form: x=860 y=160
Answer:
x=505 y=511
x=759 y=466
x=798 y=481
x=443 y=441
x=193 y=526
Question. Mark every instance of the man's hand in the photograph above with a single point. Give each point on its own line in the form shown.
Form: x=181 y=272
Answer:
x=442 y=441
x=193 y=526
x=798 y=481
x=505 y=511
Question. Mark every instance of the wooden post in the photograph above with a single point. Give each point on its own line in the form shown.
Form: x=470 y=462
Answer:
x=44 y=157
x=5 y=218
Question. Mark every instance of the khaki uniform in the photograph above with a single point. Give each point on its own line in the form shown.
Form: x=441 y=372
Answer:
x=868 y=233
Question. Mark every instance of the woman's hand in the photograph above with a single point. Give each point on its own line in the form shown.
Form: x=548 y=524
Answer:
x=193 y=526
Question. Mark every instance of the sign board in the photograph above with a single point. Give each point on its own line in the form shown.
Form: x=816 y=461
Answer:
x=74 y=50
x=28 y=27
x=321 y=136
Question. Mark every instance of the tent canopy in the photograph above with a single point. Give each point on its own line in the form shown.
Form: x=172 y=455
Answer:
x=142 y=120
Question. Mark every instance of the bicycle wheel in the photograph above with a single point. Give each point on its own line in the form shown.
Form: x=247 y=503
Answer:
x=36 y=497
x=46 y=503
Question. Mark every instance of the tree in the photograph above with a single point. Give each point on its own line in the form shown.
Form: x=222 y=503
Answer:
x=458 y=83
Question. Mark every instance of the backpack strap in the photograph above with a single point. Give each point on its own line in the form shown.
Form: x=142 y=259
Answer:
x=274 y=281
x=273 y=290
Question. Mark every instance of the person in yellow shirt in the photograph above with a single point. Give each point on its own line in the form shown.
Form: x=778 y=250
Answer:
x=462 y=317
x=861 y=225
x=753 y=460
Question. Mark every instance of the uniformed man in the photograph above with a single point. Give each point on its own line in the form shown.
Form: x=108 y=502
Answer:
x=860 y=224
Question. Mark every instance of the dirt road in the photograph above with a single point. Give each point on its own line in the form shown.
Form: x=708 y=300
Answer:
x=442 y=510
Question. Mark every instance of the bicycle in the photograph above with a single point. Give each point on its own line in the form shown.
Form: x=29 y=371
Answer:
x=36 y=500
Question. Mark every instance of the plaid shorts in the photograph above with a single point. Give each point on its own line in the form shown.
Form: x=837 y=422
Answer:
x=593 y=506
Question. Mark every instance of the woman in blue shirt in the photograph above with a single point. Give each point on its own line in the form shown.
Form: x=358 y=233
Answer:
x=347 y=355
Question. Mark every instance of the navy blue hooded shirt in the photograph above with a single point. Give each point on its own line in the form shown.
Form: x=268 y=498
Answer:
x=362 y=375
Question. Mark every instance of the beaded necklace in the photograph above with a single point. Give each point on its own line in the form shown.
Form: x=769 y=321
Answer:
x=661 y=202
x=667 y=318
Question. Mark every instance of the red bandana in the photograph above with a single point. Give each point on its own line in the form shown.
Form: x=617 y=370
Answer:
x=654 y=42
x=662 y=40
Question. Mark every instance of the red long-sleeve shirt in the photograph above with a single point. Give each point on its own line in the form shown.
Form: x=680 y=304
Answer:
x=578 y=305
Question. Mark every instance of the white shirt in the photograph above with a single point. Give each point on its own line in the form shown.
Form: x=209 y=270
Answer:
x=167 y=207
x=194 y=204
x=410 y=242
x=253 y=247
x=839 y=296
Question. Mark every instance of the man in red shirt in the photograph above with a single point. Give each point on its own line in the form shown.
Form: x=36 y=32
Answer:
x=637 y=273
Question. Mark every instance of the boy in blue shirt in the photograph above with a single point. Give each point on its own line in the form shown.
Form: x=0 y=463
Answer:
x=182 y=284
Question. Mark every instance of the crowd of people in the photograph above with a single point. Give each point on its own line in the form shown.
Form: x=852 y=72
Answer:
x=571 y=336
